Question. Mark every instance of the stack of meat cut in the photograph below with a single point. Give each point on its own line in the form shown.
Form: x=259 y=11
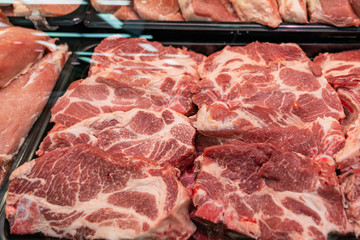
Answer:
x=270 y=134
x=109 y=168
x=339 y=13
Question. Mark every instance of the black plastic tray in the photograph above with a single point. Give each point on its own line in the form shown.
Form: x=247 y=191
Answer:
x=76 y=68
x=70 y=19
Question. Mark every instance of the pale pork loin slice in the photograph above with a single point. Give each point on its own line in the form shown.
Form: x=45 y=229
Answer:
x=260 y=11
x=265 y=92
x=266 y=193
x=293 y=10
x=203 y=10
x=165 y=136
x=163 y=10
x=23 y=100
x=82 y=192
x=20 y=48
x=334 y=12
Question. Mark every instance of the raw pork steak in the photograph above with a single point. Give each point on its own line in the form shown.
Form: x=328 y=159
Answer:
x=342 y=70
x=265 y=193
x=166 y=136
x=260 y=11
x=102 y=94
x=334 y=12
x=141 y=63
x=265 y=92
x=82 y=192
x=131 y=73
x=205 y=10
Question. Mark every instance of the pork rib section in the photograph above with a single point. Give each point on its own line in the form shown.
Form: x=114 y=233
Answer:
x=82 y=192
x=166 y=137
x=334 y=12
x=266 y=193
x=293 y=10
x=23 y=100
x=200 y=10
x=260 y=11
x=270 y=93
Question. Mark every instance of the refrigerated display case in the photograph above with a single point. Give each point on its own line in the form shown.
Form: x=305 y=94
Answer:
x=85 y=28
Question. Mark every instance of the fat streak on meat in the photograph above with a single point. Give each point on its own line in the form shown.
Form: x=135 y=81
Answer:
x=334 y=12
x=23 y=100
x=266 y=193
x=204 y=10
x=165 y=136
x=293 y=10
x=82 y=192
x=260 y=11
x=131 y=73
x=271 y=93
